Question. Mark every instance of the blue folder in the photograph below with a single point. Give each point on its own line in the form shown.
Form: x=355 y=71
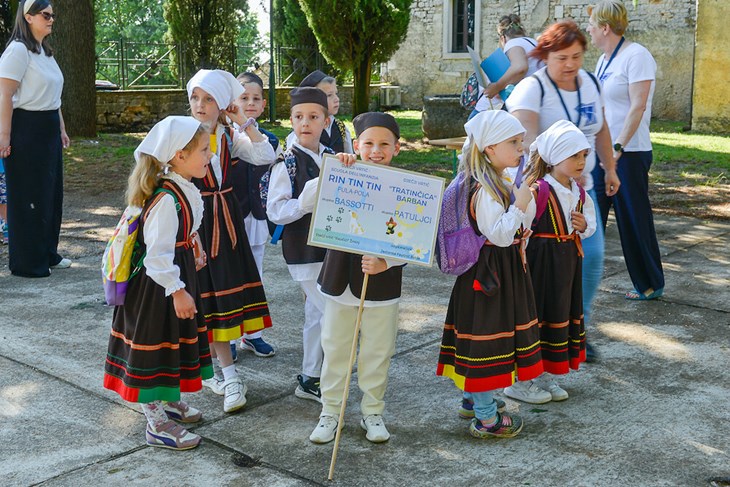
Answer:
x=495 y=66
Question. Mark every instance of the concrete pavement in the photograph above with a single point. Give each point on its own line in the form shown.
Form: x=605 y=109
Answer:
x=654 y=411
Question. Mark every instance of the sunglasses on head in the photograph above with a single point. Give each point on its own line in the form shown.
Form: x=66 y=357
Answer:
x=47 y=16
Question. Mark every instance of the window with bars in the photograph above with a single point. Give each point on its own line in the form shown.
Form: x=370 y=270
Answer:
x=462 y=25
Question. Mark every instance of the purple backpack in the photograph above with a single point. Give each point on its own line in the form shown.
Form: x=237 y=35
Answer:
x=457 y=244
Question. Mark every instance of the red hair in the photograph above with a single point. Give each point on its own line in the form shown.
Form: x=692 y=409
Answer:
x=561 y=35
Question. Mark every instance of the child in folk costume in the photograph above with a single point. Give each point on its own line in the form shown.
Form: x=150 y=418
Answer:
x=247 y=176
x=233 y=296
x=289 y=202
x=341 y=282
x=335 y=135
x=158 y=346
x=565 y=216
x=491 y=331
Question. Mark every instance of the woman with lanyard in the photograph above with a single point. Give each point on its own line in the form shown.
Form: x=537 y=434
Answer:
x=32 y=136
x=563 y=91
x=627 y=73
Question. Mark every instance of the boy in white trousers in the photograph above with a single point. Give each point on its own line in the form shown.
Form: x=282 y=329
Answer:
x=341 y=282
x=289 y=202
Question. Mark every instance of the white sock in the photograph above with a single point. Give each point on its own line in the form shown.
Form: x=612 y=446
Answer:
x=229 y=372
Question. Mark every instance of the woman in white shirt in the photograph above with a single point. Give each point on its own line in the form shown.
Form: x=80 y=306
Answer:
x=517 y=46
x=32 y=136
x=627 y=73
x=562 y=90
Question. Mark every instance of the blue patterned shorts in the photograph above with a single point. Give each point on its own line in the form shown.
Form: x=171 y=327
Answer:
x=3 y=193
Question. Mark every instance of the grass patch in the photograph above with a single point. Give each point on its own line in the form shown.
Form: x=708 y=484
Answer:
x=690 y=173
x=692 y=158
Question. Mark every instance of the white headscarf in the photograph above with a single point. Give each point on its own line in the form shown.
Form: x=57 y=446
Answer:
x=167 y=137
x=491 y=127
x=219 y=84
x=27 y=5
x=559 y=142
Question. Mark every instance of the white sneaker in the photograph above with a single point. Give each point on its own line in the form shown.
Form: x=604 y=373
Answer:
x=375 y=427
x=325 y=430
x=235 y=394
x=215 y=384
x=528 y=392
x=548 y=383
x=64 y=264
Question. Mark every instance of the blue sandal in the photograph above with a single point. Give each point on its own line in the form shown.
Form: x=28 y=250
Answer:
x=635 y=295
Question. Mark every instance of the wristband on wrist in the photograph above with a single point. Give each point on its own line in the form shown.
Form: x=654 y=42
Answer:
x=618 y=148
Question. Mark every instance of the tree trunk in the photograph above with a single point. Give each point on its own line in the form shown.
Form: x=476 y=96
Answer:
x=73 y=43
x=361 y=73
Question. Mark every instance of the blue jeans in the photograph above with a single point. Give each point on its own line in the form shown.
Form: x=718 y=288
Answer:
x=485 y=407
x=593 y=250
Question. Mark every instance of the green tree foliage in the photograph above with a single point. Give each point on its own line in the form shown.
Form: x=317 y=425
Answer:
x=131 y=20
x=298 y=52
x=354 y=34
x=209 y=31
x=290 y=25
x=7 y=18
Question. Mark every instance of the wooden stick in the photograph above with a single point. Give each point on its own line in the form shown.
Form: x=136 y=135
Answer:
x=346 y=392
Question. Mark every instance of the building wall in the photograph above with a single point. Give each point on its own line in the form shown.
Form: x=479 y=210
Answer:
x=139 y=110
x=711 y=98
x=665 y=27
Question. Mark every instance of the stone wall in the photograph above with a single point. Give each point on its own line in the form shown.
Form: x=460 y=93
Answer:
x=711 y=97
x=139 y=110
x=666 y=27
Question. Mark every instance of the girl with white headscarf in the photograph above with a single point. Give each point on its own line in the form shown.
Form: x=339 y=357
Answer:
x=491 y=325
x=555 y=252
x=156 y=329
x=234 y=301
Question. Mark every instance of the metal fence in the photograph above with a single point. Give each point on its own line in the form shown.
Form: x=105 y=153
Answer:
x=158 y=65
x=127 y=65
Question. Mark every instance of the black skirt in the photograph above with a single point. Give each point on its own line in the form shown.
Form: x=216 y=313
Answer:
x=556 y=267
x=153 y=355
x=232 y=293
x=491 y=333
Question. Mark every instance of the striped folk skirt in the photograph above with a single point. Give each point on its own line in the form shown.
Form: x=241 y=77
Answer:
x=233 y=298
x=153 y=355
x=491 y=334
x=556 y=269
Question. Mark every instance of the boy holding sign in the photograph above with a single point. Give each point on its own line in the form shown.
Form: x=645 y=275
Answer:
x=341 y=282
x=291 y=196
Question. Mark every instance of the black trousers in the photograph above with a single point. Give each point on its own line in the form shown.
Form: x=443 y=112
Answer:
x=634 y=219
x=34 y=177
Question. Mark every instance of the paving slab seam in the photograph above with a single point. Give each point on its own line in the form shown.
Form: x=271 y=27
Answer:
x=672 y=301
x=259 y=463
x=65 y=381
x=101 y=461
x=135 y=449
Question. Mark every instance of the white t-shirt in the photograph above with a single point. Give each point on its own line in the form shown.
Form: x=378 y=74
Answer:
x=527 y=96
x=526 y=43
x=631 y=65
x=40 y=78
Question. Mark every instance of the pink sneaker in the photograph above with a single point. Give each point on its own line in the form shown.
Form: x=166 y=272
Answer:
x=180 y=411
